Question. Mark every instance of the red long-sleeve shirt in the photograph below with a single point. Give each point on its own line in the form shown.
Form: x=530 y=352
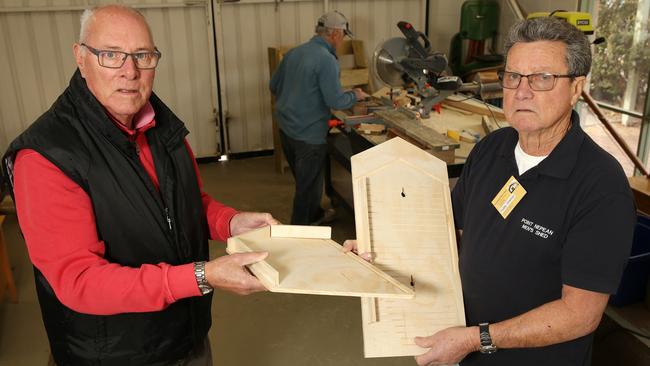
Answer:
x=56 y=217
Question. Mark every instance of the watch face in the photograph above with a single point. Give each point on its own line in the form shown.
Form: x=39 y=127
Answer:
x=488 y=349
x=205 y=289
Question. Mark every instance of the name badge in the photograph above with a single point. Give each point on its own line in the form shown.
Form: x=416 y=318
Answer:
x=508 y=197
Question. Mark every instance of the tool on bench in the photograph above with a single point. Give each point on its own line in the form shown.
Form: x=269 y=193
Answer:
x=401 y=61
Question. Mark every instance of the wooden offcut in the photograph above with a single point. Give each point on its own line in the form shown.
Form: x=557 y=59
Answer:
x=354 y=77
x=445 y=155
x=358 y=74
x=404 y=217
x=371 y=129
x=474 y=106
x=314 y=266
x=301 y=231
x=426 y=137
x=489 y=124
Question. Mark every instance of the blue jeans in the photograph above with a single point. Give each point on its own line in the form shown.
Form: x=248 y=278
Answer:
x=307 y=162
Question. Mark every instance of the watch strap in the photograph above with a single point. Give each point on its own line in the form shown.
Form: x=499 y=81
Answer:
x=487 y=346
x=201 y=280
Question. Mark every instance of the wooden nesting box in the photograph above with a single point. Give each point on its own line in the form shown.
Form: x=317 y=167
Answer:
x=403 y=215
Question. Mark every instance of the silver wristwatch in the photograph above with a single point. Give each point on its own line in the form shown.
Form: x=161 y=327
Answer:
x=199 y=273
x=487 y=346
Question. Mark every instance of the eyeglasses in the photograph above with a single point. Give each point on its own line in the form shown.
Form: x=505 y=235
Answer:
x=115 y=59
x=542 y=81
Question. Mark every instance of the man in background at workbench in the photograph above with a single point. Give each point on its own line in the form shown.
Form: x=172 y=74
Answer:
x=306 y=87
x=110 y=202
x=545 y=216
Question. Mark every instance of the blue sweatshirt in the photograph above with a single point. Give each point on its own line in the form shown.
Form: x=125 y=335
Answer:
x=306 y=86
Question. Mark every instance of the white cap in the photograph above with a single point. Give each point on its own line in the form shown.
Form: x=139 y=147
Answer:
x=335 y=20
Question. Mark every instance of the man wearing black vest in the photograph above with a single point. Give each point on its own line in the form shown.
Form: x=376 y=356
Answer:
x=111 y=205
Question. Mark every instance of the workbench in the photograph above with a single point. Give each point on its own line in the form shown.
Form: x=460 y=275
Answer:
x=347 y=141
x=641 y=189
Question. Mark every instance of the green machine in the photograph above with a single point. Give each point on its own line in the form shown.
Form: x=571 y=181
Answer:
x=479 y=23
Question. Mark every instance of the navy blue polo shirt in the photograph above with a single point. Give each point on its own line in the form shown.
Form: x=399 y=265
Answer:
x=574 y=226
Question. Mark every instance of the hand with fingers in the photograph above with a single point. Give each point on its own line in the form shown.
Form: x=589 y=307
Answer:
x=247 y=221
x=229 y=273
x=360 y=94
x=351 y=246
x=448 y=346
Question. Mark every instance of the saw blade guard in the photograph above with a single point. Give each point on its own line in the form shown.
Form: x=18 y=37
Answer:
x=386 y=61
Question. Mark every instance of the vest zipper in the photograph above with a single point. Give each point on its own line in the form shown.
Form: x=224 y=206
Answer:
x=169 y=220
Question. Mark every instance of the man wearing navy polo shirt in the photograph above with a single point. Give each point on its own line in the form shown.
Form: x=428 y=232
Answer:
x=545 y=217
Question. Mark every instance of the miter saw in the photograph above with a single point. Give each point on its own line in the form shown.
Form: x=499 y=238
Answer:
x=400 y=62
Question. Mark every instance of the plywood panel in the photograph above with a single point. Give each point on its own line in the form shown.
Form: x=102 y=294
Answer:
x=403 y=215
x=314 y=266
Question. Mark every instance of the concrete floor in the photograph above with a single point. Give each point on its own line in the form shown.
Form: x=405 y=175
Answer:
x=262 y=329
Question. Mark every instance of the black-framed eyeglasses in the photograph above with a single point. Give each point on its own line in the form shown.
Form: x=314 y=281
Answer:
x=115 y=59
x=542 y=81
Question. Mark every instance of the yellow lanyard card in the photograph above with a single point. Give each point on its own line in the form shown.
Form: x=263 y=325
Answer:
x=508 y=197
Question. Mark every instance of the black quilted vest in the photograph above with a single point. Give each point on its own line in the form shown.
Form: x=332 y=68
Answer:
x=138 y=225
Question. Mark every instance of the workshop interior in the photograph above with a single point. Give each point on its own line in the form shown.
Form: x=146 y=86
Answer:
x=433 y=72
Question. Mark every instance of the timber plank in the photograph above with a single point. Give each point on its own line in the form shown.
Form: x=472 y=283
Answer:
x=314 y=266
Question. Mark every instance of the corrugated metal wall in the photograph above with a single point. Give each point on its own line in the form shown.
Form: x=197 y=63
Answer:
x=245 y=30
x=444 y=23
x=36 y=62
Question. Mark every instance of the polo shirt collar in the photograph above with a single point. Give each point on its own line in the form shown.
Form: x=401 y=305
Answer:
x=142 y=121
x=562 y=159
x=321 y=41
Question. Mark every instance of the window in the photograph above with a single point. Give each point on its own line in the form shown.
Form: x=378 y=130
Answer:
x=619 y=74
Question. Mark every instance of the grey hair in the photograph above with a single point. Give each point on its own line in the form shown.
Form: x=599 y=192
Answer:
x=323 y=31
x=88 y=16
x=85 y=19
x=578 y=50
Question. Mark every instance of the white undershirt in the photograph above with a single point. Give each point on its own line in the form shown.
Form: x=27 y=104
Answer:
x=525 y=161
